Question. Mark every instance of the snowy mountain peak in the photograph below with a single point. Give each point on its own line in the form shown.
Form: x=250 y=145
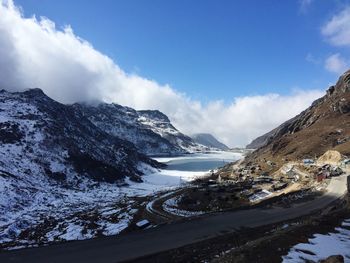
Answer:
x=154 y=114
x=149 y=130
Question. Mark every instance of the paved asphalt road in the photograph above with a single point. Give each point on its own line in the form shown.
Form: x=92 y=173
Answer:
x=162 y=238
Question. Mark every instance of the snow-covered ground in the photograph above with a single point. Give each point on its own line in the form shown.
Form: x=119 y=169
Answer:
x=51 y=212
x=322 y=246
x=171 y=206
x=54 y=213
x=160 y=180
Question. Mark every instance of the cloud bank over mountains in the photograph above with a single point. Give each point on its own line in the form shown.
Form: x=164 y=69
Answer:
x=336 y=32
x=35 y=54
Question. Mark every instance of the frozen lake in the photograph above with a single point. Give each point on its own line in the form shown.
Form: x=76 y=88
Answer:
x=199 y=162
x=180 y=169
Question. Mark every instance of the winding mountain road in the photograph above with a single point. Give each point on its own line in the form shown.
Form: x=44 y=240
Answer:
x=141 y=243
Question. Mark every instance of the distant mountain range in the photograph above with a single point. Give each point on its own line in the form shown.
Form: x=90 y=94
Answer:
x=261 y=140
x=323 y=126
x=209 y=141
x=149 y=130
x=105 y=142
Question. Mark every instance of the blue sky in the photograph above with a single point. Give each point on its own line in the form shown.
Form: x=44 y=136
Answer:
x=206 y=49
x=235 y=69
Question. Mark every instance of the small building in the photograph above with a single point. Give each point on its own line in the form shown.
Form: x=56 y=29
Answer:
x=292 y=175
x=263 y=180
x=143 y=223
x=264 y=174
x=308 y=161
x=336 y=171
x=320 y=177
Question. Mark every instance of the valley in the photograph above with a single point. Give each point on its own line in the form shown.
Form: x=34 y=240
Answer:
x=86 y=179
x=175 y=131
x=101 y=209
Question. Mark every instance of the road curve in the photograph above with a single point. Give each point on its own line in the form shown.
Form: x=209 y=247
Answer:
x=141 y=243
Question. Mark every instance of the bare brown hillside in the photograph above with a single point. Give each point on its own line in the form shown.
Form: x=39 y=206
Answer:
x=323 y=126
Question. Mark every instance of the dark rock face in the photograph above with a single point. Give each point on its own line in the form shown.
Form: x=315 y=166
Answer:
x=319 y=128
x=58 y=140
x=343 y=106
x=10 y=133
x=150 y=131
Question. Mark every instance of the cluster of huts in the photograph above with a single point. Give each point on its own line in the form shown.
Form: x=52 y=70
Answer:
x=327 y=171
x=330 y=164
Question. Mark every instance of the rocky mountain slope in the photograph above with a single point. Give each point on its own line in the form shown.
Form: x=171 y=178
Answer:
x=72 y=171
x=60 y=175
x=323 y=126
x=209 y=141
x=41 y=136
x=149 y=130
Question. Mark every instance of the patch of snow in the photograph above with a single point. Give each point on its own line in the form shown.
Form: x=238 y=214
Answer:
x=321 y=247
x=114 y=228
x=73 y=232
x=345 y=223
x=171 y=207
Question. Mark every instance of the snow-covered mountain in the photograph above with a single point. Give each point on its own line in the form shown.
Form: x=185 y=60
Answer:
x=209 y=141
x=57 y=167
x=41 y=136
x=64 y=168
x=149 y=130
x=71 y=171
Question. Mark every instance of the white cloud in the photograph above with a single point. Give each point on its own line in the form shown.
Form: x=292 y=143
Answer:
x=337 y=29
x=336 y=64
x=248 y=117
x=304 y=5
x=34 y=53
